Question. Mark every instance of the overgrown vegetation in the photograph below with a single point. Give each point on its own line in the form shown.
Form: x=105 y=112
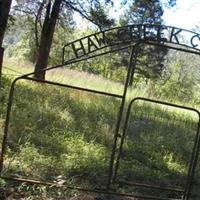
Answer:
x=63 y=135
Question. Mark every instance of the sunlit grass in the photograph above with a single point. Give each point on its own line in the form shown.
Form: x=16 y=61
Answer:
x=68 y=133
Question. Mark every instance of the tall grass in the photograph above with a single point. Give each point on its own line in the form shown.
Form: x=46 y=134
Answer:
x=58 y=133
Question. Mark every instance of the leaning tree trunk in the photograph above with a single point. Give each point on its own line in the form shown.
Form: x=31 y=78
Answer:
x=48 y=28
x=4 y=12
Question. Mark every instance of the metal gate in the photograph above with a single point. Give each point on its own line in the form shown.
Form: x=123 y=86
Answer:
x=114 y=40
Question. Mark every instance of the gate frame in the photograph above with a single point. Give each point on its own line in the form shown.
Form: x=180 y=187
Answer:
x=117 y=135
x=192 y=161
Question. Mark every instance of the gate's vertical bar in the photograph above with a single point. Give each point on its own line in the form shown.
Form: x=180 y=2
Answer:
x=119 y=118
x=193 y=164
x=7 y=121
x=130 y=79
x=1 y=64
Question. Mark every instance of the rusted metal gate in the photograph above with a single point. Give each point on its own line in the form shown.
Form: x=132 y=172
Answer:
x=114 y=40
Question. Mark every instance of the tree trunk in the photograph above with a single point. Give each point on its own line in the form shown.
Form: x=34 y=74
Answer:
x=4 y=12
x=46 y=38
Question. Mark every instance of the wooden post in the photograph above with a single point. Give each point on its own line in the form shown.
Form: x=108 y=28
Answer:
x=1 y=64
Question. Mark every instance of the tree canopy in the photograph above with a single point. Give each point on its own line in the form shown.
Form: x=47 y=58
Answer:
x=45 y=15
x=150 y=59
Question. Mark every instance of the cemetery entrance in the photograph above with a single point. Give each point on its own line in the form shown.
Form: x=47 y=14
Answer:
x=121 y=165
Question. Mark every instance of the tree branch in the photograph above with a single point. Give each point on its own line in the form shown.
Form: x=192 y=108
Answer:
x=25 y=11
x=36 y=22
x=84 y=15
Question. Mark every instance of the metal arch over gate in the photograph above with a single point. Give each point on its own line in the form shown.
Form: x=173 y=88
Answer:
x=122 y=36
x=108 y=41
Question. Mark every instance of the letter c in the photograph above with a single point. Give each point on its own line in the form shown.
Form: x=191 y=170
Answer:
x=192 y=40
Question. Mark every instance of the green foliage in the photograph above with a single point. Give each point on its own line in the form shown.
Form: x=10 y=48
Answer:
x=158 y=146
x=61 y=133
x=58 y=133
x=43 y=17
x=108 y=66
x=21 y=45
x=62 y=36
x=180 y=81
x=150 y=59
x=69 y=134
x=100 y=17
x=144 y=11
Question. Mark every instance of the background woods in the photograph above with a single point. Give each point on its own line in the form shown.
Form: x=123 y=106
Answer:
x=4 y=12
x=65 y=136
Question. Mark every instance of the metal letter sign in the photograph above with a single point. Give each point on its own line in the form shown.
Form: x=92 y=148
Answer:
x=101 y=43
x=131 y=33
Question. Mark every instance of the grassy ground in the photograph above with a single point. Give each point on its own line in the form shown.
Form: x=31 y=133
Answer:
x=64 y=135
